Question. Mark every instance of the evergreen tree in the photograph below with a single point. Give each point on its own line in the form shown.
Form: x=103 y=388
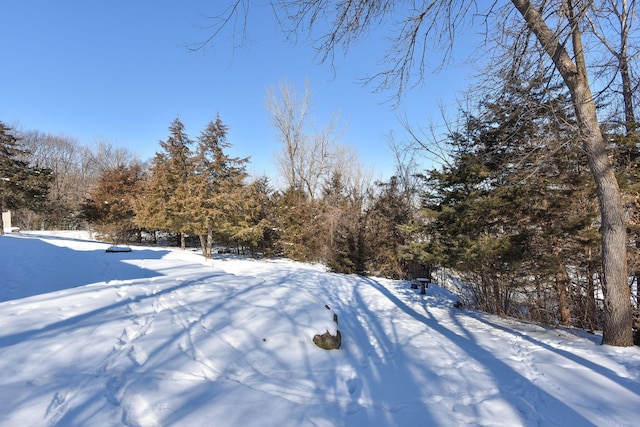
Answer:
x=216 y=195
x=162 y=204
x=342 y=228
x=21 y=185
x=298 y=220
x=110 y=206
x=511 y=213
x=391 y=210
x=264 y=236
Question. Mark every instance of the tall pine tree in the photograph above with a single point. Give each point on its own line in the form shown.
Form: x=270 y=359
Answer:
x=216 y=192
x=162 y=204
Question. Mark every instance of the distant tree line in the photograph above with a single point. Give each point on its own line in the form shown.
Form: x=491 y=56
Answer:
x=194 y=189
x=71 y=169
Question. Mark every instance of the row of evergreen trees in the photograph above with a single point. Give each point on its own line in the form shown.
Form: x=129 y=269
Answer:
x=194 y=188
x=190 y=188
x=512 y=212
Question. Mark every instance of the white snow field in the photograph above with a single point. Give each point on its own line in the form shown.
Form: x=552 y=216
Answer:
x=160 y=337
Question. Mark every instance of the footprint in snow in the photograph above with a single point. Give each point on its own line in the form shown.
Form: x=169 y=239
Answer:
x=138 y=356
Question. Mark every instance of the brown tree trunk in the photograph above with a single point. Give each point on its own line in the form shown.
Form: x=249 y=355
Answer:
x=210 y=240
x=627 y=95
x=590 y=309
x=203 y=245
x=617 y=307
x=2 y=209
x=562 y=284
x=497 y=300
x=1 y=220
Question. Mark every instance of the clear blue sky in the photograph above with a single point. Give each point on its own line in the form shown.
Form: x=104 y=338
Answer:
x=120 y=71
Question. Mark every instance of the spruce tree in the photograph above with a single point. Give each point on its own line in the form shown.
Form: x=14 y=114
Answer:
x=390 y=211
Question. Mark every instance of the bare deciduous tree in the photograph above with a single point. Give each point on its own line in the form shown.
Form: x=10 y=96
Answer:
x=309 y=155
x=289 y=116
x=611 y=19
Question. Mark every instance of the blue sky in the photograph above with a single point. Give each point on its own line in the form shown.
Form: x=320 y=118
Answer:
x=120 y=71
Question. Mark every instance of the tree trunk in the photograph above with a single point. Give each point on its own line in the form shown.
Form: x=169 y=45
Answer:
x=590 y=308
x=497 y=299
x=613 y=230
x=562 y=285
x=638 y=290
x=617 y=307
x=627 y=95
x=626 y=18
x=203 y=245
x=210 y=240
x=2 y=210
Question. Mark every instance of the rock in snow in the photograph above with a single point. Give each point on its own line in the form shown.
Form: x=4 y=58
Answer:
x=327 y=341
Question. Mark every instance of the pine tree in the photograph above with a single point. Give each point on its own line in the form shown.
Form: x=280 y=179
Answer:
x=21 y=185
x=162 y=204
x=512 y=211
x=391 y=210
x=297 y=219
x=216 y=192
x=342 y=228
x=262 y=235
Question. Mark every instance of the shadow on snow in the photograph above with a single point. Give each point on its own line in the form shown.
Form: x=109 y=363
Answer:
x=53 y=268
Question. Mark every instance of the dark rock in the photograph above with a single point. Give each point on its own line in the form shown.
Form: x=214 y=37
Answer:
x=327 y=341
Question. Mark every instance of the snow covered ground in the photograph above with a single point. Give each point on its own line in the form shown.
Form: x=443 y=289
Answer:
x=159 y=337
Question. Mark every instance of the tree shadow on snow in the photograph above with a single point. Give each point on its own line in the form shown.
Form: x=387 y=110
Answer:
x=31 y=266
x=506 y=378
x=627 y=383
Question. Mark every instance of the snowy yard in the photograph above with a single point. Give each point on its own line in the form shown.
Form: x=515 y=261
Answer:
x=159 y=337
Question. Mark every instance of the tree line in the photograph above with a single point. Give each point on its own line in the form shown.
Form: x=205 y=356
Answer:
x=193 y=189
x=534 y=208
x=511 y=213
